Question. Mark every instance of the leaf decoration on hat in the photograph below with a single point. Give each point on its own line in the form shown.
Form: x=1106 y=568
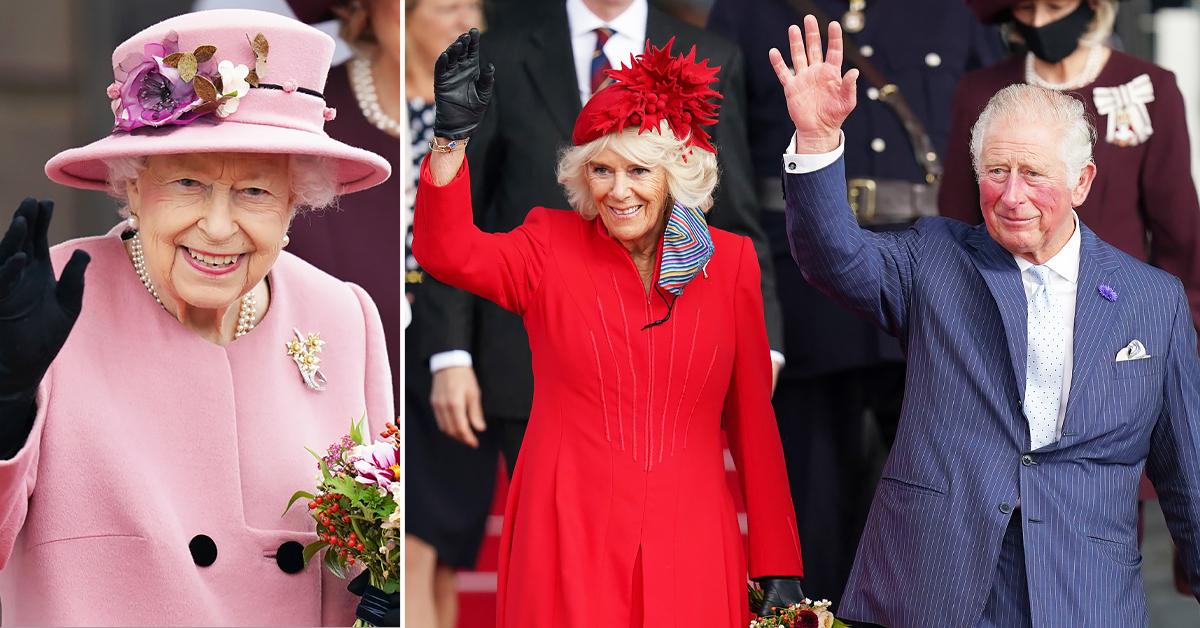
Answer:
x=204 y=88
x=204 y=53
x=188 y=63
x=261 y=48
x=656 y=86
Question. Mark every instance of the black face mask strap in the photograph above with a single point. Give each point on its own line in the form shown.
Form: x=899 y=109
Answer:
x=670 y=306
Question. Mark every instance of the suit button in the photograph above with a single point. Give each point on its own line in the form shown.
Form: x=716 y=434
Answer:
x=290 y=557
x=933 y=59
x=1005 y=507
x=878 y=145
x=872 y=93
x=204 y=550
x=792 y=165
x=1027 y=460
x=866 y=51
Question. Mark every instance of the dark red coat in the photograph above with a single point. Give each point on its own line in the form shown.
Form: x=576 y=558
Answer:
x=1143 y=200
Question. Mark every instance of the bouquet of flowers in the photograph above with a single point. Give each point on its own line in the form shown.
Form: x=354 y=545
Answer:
x=806 y=614
x=356 y=507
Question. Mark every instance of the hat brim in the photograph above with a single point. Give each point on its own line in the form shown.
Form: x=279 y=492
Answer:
x=84 y=168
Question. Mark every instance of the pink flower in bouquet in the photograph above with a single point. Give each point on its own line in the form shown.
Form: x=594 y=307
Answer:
x=377 y=464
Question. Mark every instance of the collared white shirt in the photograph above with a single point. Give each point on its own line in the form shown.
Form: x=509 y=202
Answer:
x=629 y=38
x=1064 y=266
x=1063 y=284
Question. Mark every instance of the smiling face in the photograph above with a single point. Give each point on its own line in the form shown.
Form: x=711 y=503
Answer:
x=211 y=224
x=630 y=198
x=1025 y=192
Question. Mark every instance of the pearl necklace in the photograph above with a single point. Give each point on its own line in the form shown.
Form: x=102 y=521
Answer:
x=1091 y=69
x=247 y=312
x=363 y=84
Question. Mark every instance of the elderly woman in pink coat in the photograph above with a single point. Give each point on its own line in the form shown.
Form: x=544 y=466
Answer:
x=152 y=422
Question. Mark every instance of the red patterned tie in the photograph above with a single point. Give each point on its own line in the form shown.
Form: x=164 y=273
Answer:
x=599 y=61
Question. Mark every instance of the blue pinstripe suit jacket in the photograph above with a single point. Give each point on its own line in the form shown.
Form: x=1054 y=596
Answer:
x=962 y=460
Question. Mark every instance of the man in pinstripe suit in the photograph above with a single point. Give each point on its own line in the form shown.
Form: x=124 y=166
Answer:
x=1046 y=370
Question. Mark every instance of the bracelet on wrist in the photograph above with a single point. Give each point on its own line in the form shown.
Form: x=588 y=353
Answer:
x=449 y=147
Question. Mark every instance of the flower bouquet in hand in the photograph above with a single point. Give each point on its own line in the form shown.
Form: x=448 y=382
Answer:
x=806 y=614
x=356 y=506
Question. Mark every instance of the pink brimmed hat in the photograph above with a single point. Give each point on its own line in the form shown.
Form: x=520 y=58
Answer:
x=230 y=81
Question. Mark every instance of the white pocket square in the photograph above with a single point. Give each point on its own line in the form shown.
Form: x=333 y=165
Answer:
x=1133 y=351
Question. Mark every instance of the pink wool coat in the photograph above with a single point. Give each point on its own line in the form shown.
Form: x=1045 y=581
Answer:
x=148 y=436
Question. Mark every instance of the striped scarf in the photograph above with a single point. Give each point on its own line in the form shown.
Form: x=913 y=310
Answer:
x=687 y=247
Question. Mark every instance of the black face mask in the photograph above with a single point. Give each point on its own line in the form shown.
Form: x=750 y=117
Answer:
x=1054 y=41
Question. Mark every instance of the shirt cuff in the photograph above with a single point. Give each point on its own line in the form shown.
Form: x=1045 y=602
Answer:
x=795 y=163
x=447 y=359
x=778 y=359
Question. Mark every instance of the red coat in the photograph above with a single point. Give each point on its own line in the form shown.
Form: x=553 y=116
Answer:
x=1143 y=200
x=619 y=495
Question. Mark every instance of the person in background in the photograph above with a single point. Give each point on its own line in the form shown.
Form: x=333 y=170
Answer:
x=448 y=485
x=550 y=65
x=356 y=241
x=841 y=371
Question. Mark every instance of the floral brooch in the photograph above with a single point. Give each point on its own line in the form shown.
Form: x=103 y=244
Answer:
x=163 y=86
x=305 y=351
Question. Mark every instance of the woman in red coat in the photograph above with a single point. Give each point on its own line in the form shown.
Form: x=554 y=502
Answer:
x=648 y=342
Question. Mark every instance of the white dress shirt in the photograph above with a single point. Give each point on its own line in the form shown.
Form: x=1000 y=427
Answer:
x=1064 y=266
x=629 y=38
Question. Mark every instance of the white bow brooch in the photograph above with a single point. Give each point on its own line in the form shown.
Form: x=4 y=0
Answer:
x=1125 y=106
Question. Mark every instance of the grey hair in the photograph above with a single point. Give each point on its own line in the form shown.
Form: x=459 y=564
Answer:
x=691 y=173
x=1054 y=109
x=1097 y=32
x=313 y=180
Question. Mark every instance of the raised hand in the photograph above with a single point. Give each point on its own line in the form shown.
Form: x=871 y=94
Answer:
x=818 y=96
x=36 y=312
x=461 y=92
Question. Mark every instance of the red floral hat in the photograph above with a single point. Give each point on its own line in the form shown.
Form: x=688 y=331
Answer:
x=655 y=87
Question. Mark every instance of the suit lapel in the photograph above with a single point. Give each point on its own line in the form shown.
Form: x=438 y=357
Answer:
x=1096 y=320
x=1003 y=279
x=551 y=69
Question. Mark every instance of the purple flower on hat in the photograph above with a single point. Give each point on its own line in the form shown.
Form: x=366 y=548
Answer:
x=1107 y=292
x=151 y=93
x=154 y=95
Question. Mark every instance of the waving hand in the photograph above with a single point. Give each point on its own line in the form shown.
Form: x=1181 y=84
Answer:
x=819 y=96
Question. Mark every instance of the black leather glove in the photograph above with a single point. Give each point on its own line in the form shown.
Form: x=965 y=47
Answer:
x=376 y=607
x=460 y=92
x=36 y=315
x=778 y=593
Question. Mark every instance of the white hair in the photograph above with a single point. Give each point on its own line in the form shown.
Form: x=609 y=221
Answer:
x=1053 y=110
x=691 y=173
x=312 y=180
x=1098 y=30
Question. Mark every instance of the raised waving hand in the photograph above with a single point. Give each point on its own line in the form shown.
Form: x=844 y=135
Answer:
x=819 y=96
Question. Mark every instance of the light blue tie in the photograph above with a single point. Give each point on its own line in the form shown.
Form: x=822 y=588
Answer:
x=1044 y=362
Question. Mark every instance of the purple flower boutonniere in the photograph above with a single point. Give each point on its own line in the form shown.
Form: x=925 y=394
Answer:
x=1107 y=292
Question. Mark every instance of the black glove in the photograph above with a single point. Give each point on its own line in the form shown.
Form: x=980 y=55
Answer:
x=460 y=93
x=779 y=593
x=376 y=607
x=36 y=315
